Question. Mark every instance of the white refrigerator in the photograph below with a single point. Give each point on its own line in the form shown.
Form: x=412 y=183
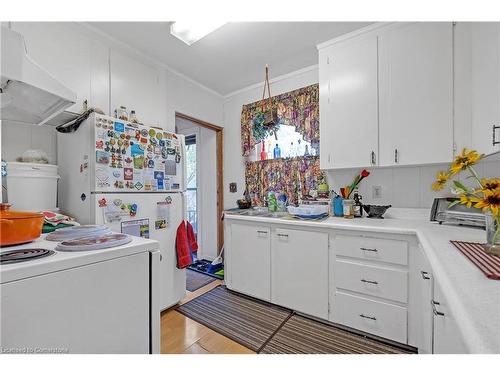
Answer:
x=131 y=178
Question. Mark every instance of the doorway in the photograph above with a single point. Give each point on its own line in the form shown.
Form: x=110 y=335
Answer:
x=204 y=145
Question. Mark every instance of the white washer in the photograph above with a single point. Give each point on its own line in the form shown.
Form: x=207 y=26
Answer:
x=101 y=301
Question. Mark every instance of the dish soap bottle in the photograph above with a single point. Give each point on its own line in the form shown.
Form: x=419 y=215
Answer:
x=277 y=152
x=272 y=202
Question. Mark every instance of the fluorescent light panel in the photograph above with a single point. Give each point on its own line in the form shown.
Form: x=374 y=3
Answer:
x=191 y=32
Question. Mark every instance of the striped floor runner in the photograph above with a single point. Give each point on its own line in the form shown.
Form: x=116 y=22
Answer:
x=270 y=329
x=244 y=320
x=300 y=335
x=195 y=280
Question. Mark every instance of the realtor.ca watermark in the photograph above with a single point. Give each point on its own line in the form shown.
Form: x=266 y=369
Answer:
x=33 y=350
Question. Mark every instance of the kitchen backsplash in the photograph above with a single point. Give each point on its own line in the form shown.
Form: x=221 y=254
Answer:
x=405 y=186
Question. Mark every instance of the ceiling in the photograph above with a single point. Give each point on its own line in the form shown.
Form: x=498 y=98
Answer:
x=233 y=56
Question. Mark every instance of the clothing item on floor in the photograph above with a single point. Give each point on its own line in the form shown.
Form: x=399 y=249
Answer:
x=195 y=280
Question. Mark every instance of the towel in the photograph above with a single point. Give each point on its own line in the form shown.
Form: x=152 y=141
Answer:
x=185 y=244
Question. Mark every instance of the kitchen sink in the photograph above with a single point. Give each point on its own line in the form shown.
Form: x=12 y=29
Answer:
x=262 y=213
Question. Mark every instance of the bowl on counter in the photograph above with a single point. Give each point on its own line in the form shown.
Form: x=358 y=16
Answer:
x=243 y=204
x=374 y=211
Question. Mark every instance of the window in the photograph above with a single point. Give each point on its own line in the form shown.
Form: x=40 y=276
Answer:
x=290 y=143
x=192 y=185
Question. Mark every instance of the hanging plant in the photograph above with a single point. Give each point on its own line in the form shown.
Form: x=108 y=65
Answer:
x=260 y=130
x=266 y=121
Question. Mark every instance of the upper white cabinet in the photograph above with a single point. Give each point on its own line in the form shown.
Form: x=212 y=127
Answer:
x=416 y=93
x=386 y=96
x=477 y=85
x=136 y=86
x=348 y=107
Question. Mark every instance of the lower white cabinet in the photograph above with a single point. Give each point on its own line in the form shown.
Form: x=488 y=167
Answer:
x=299 y=271
x=447 y=336
x=375 y=317
x=420 y=322
x=379 y=282
x=250 y=260
x=381 y=285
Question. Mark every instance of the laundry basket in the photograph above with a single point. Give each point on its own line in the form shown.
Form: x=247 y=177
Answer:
x=32 y=187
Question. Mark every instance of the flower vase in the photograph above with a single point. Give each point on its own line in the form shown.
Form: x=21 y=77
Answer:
x=492 y=245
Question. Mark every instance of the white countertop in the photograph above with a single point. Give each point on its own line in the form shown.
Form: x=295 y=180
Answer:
x=61 y=260
x=474 y=299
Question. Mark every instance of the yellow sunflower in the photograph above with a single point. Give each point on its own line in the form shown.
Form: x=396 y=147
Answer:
x=464 y=160
x=467 y=200
x=441 y=180
x=489 y=201
x=490 y=184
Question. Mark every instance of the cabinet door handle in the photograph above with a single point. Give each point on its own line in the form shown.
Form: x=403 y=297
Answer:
x=369 y=281
x=262 y=232
x=367 y=249
x=434 y=310
x=367 y=317
x=425 y=275
x=161 y=257
x=396 y=156
x=495 y=128
x=282 y=235
x=373 y=160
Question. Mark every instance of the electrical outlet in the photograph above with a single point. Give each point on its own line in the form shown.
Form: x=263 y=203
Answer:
x=376 y=192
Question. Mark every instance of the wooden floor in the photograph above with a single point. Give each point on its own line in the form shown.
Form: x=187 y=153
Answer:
x=181 y=335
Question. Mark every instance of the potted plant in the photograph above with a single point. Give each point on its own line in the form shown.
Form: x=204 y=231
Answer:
x=484 y=195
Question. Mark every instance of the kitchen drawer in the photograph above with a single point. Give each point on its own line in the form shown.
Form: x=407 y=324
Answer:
x=369 y=248
x=376 y=281
x=378 y=318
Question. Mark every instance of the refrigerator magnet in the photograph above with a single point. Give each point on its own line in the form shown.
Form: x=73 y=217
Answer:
x=160 y=224
x=128 y=174
x=102 y=157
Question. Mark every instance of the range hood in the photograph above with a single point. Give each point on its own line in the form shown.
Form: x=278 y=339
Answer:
x=28 y=93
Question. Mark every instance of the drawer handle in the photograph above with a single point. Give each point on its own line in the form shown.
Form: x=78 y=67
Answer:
x=425 y=275
x=369 y=281
x=367 y=317
x=434 y=310
x=261 y=232
x=282 y=235
x=367 y=249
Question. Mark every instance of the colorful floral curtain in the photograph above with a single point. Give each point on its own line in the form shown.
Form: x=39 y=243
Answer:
x=299 y=108
x=294 y=177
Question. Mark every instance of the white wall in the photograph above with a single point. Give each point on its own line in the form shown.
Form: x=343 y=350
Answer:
x=234 y=163
x=82 y=59
x=207 y=186
x=406 y=186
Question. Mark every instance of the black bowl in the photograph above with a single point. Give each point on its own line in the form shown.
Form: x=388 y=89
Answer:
x=243 y=204
x=375 y=211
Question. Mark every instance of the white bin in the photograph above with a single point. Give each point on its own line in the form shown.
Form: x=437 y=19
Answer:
x=32 y=187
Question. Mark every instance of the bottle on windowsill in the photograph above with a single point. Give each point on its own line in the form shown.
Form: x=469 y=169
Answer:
x=277 y=152
x=263 y=153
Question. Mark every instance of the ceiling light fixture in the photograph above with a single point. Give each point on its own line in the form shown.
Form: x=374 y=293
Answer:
x=191 y=32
